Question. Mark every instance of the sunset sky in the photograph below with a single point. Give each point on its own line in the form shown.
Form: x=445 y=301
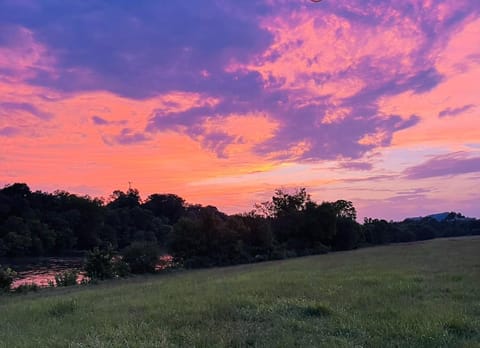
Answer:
x=222 y=101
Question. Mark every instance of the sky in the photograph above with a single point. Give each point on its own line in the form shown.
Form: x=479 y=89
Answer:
x=222 y=101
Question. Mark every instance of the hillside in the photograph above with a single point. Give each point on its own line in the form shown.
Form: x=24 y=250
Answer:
x=422 y=294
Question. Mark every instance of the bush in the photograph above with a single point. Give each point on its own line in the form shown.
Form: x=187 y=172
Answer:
x=67 y=278
x=100 y=263
x=141 y=257
x=7 y=276
x=25 y=288
x=120 y=267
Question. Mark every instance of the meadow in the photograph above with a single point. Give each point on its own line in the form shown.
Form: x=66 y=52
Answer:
x=422 y=294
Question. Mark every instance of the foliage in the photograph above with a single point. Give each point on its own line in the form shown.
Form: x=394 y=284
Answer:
x=141 y=257
x=168 y=206
x=345 y=209
x=129 y=199
x=348 y=234
x=205 y=239
x=99 y=263
x=26 y=288
x=39 y=223
x=289 y=224
x=7 y=275
x=319 y=224
x=66 y=278
x=256 y=234
x=120 y=267
x=378 y=231
x=284 y=203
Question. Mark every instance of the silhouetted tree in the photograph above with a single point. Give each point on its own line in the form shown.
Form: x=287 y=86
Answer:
x=348 y=234
x=345 y=209
x=167 y=206
x=141 y=257
x=129 y=199
x=39 y=223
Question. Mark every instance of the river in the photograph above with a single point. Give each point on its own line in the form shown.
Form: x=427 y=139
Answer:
x=42 y=271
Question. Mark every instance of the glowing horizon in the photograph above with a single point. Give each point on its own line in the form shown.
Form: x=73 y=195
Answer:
x=371 y=101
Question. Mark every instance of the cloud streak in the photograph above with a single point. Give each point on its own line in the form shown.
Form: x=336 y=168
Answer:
x=455 y=111
x=12 y=108
x=456 y=163
x=9 y=131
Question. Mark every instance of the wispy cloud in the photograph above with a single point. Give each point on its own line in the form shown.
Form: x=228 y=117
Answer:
x=100 y=121
x=9 y=131
x=455 y=111
x=13 y=108
x=364 y=166
x=128 y=137
x=450 y=164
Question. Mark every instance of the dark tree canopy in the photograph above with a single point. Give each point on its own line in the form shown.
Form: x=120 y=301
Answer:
x=291 y=223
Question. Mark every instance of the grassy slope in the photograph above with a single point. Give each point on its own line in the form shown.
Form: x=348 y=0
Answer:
x=419 y=295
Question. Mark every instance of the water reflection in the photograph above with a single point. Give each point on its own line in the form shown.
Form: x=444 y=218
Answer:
x=41 y=272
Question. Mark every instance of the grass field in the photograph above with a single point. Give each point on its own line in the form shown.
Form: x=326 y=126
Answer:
x=424 y=294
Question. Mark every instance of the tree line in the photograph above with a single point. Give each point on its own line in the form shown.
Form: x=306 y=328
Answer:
x=290 y=224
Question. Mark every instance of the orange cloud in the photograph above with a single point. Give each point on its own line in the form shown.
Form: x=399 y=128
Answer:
x=307 y=43
x=459 y=89
x=71 y=149
x=246 y=130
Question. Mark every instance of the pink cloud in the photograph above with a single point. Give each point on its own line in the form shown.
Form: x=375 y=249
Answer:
x=445 y=165
x=23 y=57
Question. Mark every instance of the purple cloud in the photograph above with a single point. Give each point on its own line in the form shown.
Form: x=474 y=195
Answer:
x=370 y=178
x=147 y=48
x=455 y=111
x=356 y=165
x=9 y=131
x=100 y=121
x=144 y=48
x=450 y=164
x=9 y=107
x=218 y=142
x=128 y=137
x=416 y=191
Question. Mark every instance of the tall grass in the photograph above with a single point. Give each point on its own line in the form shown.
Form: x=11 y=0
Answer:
x=419 y=295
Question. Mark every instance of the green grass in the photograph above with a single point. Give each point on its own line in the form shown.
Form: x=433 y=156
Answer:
x=418 y=295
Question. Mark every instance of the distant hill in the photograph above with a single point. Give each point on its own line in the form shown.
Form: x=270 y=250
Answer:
x=440 y=217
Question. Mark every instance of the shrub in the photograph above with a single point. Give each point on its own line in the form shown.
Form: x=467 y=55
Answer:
x=67 y=278
x=99 y=263
x=120 y=267
x=320 y=248
x=7 y=276
x=25 y=288
x=141 y=257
